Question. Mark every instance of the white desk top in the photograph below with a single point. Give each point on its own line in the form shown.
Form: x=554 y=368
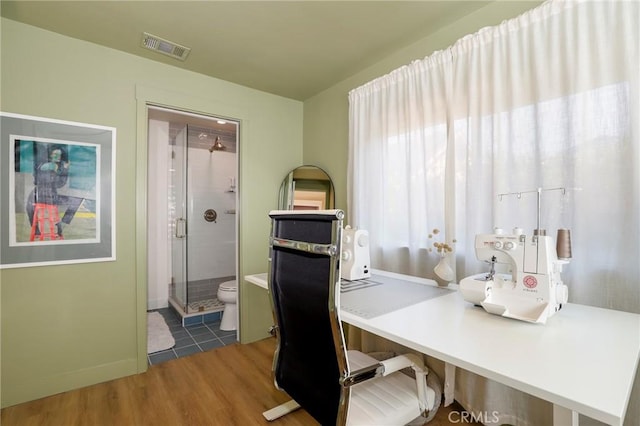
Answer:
x=583 y=359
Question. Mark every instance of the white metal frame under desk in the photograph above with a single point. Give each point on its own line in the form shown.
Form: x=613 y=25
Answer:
x=583 y=360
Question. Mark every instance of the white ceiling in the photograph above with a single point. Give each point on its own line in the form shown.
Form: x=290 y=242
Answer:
x=294 y=49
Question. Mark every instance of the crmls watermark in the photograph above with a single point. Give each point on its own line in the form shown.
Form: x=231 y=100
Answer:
x=484 y=417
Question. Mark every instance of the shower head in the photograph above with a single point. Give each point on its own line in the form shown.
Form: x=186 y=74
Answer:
x=217 y=145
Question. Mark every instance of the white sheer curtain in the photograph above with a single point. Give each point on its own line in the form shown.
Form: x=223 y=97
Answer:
x=397 y=162
x=548 y=99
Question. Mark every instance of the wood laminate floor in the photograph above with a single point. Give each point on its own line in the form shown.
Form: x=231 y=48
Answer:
x=231 y=385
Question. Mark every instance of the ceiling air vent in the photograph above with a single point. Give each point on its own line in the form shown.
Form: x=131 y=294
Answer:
x=165 y=47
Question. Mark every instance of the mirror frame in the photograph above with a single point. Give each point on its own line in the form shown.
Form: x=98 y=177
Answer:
x=309 y=181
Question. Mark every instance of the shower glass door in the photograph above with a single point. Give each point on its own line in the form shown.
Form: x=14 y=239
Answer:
x=178 y=217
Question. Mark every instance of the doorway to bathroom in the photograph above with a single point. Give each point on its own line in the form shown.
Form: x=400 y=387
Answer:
x=191 y=204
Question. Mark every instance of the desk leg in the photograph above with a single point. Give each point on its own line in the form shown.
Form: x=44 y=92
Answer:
x=564 y=417
x=449 y=383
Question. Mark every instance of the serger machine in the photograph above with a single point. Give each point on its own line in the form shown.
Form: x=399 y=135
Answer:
x=355 y=254
x=533 y=291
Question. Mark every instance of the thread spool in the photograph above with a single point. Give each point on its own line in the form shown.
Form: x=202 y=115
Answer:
x=563 y=244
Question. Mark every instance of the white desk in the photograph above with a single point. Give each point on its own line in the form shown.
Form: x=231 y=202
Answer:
x=583 y=360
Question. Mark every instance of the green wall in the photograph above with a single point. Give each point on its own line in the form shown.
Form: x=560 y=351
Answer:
x=326 y=115
x=69 y=326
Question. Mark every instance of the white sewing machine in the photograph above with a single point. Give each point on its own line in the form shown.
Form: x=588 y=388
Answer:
x=355 y=254
x=533 y=291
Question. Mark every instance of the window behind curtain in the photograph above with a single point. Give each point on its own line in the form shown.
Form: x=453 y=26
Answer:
x=542 y=101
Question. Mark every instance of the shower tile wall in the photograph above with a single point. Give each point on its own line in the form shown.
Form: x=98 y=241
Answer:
x=195 y=140
x=212 y=245
x=211 y=179
x=206 y=289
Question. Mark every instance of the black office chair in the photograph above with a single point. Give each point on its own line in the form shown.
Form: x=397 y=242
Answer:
x=310 y=363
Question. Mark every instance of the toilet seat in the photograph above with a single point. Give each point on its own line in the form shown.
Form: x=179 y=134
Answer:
x=228 y=286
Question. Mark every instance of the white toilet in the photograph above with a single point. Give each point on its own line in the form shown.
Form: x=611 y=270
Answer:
x=228 y=294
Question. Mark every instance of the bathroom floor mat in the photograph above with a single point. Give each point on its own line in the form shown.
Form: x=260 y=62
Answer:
x=159 y=336
x=380 y=295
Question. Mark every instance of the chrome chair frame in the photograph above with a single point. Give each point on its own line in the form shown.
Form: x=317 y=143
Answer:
x=291 y=248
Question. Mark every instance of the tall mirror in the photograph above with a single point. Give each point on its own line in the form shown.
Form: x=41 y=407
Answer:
x=306 y=188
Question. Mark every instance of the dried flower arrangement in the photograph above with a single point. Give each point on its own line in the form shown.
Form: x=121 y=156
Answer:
x=442 y=248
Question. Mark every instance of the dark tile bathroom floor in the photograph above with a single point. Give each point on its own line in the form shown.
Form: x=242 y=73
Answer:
x=191 y=339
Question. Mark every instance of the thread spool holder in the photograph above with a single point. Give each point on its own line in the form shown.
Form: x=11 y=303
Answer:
x=539 y=192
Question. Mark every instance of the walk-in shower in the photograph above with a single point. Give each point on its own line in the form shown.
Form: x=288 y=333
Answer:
x=192 y=210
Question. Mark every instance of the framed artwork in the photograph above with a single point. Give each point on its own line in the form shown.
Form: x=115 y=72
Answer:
x=57 y=201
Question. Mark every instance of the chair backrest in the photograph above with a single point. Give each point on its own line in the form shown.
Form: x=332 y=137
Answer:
x=304 y=285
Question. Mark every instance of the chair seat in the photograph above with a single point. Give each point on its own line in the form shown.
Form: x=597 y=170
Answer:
x=390 y=400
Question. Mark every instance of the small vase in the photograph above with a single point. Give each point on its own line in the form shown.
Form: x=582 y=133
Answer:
x=443 y=270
